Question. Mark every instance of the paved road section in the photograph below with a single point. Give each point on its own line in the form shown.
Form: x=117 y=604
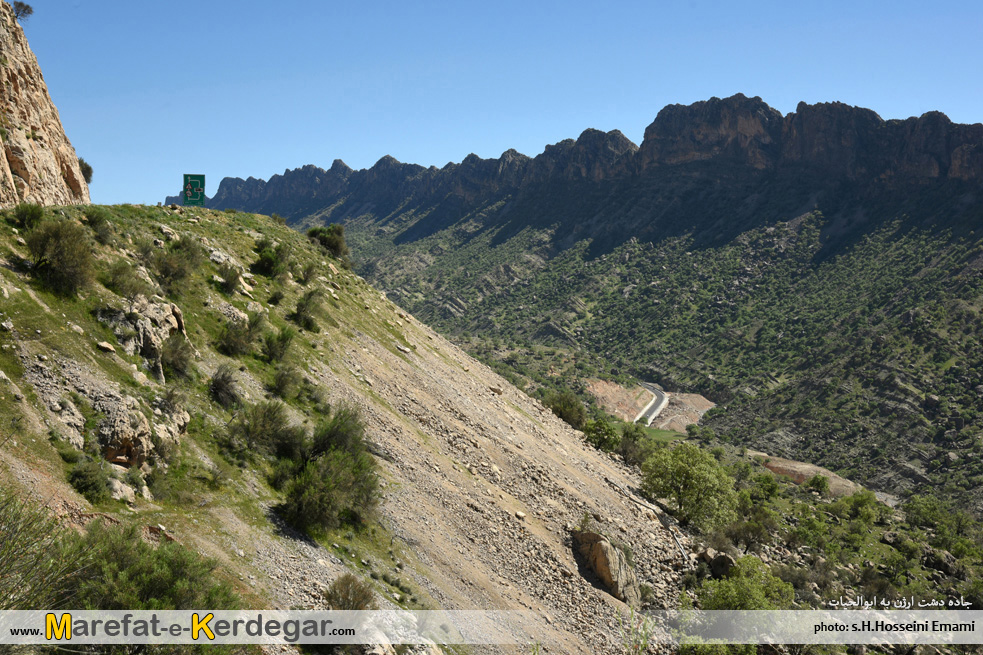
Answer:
x=655 y=406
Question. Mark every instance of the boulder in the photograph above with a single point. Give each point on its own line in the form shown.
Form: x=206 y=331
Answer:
x=120 y=491
x=125 y=436
x=721 y=565
x=610 y=565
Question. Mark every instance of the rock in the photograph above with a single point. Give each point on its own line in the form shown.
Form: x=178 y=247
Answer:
x=77 y=329
x=8 y=325
x=125 y=436
x=169 y=234
x=106 y=347
x=520 y=515
x=218 y=257
x=121 y=491
x=40 y=164
x=721 y=565
x=941 y=560
x=610 y=565
x=496 y=390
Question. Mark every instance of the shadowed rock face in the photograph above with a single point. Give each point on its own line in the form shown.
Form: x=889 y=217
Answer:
x=39 y=164
x=737 y=138
x=610 y=565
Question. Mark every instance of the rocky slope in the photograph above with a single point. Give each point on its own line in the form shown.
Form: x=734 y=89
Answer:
x=482 y=485
x=39 y=163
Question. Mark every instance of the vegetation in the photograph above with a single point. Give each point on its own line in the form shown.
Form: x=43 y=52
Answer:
x=332 y=239
x=86 y=169
x=698 y=486
x=28 y=215
x=22 y=11
x=91 y=479
x=349 y=592
x=61 y=255
x=223 y=388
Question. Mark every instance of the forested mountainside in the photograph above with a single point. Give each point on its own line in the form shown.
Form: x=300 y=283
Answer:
x=817 y=273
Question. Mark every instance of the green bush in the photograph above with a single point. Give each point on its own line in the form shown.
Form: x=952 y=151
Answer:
x=61 y=255
x=91 y=479
x=100 y=221
x=568 y=407
x=86 y=169
x=223 y=388
x=307 y=273
x=237 y=337
x=177 y=357
x=335 y=482
x=748 y=586
x=338 y=487
x=125 y=572
x=172 y=265
x=332 y=239
x=286 y=379
x=342 y=430
x=276 y=344
x=307 y=307
x=38 y=568
x=273 y=261
x=265 y=428
x=230 y=278
x=123 y=279
x=601 y=435
x=28 y=215
x=698 y=486
x=349 y=592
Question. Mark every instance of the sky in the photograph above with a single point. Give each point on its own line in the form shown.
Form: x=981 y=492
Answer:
x=148 y=91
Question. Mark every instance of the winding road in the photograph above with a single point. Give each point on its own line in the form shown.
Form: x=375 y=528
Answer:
x=655 y=406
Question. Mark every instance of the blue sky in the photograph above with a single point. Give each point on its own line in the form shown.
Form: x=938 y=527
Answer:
x=148 y=91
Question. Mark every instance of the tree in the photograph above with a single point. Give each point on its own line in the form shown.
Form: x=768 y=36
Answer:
x=697 y=484
x=748 y=586
x=86 y=169
x=22 y=11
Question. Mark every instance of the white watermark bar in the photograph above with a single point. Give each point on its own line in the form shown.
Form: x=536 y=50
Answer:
x=267 y=627
x=821 y=626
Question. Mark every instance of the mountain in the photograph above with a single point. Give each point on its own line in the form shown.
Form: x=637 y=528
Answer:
x=39 y=164
x=816 y=274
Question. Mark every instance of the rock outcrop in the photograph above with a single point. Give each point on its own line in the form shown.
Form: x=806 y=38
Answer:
x=39 y=163
x=610 y=564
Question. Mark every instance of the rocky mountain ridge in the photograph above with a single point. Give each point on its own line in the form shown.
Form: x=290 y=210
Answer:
x=39 y=163
x=741 y=135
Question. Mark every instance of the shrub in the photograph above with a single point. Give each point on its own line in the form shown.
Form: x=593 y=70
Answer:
x=230 y=278
x=307 y=307
x=700 y=489
x=342 y=430
x=128 y=573
x=332 y=239
x=819 y=483
x=601 y=435
x=37 y=566
x=276 y=297
x=101 y=223
x=569 y=408
x=237 y=337
x=86 y=169
x=749 y=586
x=173 y=265
x=28 y=215
x=177 y=356
x=90 y=479
x=279 y=220
x=273 y=261
x=265 y=428
x=338 y=487
x=349 y=592
x=61 y=255
x=306 y=274
x=223 y=388
x=276 y=344
x=123 y=279
x=285 y=381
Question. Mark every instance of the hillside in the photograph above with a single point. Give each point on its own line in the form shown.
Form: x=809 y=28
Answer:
x=480 y=484
x=816 y=274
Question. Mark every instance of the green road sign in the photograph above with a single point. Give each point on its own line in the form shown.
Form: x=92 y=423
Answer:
x=194 y=190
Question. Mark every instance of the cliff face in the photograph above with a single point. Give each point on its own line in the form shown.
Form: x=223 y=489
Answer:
x=39 y=163
x=817 y=146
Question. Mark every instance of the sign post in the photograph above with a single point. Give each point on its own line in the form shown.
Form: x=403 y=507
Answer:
x=194 y=190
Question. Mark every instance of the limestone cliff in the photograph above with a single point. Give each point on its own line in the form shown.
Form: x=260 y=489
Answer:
x=39 y=163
